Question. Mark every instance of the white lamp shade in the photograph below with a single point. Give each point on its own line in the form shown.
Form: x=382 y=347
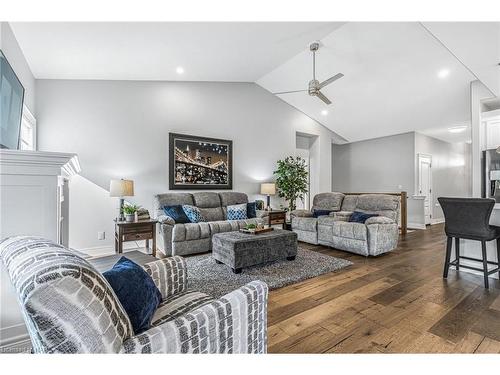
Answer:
x=268 y=189
x=121 y=188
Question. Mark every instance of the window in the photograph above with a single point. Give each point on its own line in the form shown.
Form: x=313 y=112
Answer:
x=28 y=131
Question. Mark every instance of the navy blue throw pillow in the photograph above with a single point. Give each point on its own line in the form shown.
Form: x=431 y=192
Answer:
x=177 y=213
x=251 y=210
x=136 y=291
x=317 y=213
x=360 y=217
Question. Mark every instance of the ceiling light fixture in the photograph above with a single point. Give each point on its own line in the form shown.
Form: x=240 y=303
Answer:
x=457 y=129
x=324 y=112
x=443 y=73
x=179 y=70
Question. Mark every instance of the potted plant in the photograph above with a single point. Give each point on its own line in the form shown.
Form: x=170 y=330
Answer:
x=291 y=180
x=130 y=210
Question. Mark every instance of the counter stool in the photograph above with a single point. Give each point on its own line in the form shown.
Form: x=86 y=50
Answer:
x=469 y=218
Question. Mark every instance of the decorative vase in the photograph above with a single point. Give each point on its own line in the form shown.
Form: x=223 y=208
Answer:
x=129 y=218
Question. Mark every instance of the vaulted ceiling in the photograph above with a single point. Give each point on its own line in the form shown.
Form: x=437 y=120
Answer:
x=391 y=83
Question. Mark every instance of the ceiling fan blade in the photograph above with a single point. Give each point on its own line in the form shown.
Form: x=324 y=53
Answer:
x=330 y=80
x=323 y=98
x=288 y=92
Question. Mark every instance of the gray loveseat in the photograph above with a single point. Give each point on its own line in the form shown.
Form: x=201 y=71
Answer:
x=191 y=238
x=376 y=236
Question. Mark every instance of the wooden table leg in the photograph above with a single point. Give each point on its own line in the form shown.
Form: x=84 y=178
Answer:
x=154 y=242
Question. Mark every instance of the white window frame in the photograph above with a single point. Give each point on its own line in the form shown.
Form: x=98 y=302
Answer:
x=27 y=117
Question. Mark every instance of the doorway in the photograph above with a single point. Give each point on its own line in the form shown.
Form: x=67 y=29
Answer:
x=425 y=184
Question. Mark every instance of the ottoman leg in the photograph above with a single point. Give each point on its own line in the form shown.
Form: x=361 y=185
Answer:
x=237 y=270
x=218 y=261
x=290 y=258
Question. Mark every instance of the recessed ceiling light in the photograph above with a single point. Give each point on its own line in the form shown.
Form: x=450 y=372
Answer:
x=324 y=112
x=457 y=129
x=443 y=73
x=179 y=70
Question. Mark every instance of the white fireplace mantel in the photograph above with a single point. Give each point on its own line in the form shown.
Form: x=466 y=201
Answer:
x=33 y=201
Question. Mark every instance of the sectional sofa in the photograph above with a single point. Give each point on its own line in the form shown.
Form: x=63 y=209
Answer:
x=191 y=238
x=377 y=235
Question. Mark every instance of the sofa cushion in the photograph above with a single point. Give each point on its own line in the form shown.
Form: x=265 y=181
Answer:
x=377 y=202
x=327 y=220
x=228 y=198
x=356 y=231
x=328 y=201
x=212 y=214
x=193 y=213
x=206 y=199
x=177 y=213
x=231 y=225
x=170 y=199
x=349 y=203
x=190 y=231
x=360 y=217
x=136 y=291
x=178 y=305
x=305 y=223
x=237 y=212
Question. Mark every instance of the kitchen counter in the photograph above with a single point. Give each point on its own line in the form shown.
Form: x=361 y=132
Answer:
x=473 y=248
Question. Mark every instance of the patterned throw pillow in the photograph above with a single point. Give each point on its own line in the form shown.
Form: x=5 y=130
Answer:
x=237 y=212
x=177 y=213
x=193 y=213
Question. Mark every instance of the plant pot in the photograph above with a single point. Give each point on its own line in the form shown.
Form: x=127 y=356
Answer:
x=129 y=218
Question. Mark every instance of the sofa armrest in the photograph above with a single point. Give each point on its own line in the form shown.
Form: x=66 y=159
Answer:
x=164 y=219
x=301 y=213
x=379 y=220
x=169 y=275
x=235 y=323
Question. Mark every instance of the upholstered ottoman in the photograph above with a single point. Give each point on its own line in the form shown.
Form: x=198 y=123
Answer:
x=238 y=250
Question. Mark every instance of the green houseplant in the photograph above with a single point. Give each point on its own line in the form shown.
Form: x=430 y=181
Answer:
x=291 y=179
x=129 y=210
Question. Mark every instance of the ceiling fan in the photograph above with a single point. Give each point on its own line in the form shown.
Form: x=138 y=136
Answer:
x=314 y=85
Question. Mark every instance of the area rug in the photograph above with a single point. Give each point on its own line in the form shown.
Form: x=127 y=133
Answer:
x=214 y=279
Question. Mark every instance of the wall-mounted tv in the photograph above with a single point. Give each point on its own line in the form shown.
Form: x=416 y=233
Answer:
x=11 y=105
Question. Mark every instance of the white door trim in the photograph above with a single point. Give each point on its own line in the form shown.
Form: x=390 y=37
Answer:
x=427 y=159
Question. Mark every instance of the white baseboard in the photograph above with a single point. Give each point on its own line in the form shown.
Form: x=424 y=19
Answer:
x=14 y=339
x=437 y=221
x=415 y=226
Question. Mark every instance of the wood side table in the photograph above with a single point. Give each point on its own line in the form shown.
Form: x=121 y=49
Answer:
x=135 y=231
x=277 y=217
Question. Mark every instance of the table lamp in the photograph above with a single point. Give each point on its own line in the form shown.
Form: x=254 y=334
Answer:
x=268 y=189
x=121 y=188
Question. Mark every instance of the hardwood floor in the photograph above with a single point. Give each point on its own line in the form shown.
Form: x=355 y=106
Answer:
x=395 y=303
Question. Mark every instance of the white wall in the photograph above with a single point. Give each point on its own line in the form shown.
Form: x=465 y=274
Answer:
x=376 y=165
x=450 y=169
x=15 y=56
x=120 y=129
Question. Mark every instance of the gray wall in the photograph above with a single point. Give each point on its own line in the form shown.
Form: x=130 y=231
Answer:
x=120 y=129
x=450 y=169
x=376 y=165
x=12 y=51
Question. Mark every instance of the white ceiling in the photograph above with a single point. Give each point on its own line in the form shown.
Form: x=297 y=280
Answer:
x=390 y=84
x=218 y=51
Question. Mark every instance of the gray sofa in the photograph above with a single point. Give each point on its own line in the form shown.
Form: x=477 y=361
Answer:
x=69 y=307
x=376 y=236
x=191 y=238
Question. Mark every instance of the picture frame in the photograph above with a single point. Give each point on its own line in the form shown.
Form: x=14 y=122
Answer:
x=200 y=163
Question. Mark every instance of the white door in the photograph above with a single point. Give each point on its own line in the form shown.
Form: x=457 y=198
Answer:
x=425 y=184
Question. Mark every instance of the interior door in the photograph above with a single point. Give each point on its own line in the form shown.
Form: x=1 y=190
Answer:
x=425 y=184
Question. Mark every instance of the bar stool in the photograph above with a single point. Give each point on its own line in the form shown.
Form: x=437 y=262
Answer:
x=469 y=218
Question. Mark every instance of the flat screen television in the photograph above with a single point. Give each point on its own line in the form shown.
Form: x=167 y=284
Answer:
x=11 y=105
